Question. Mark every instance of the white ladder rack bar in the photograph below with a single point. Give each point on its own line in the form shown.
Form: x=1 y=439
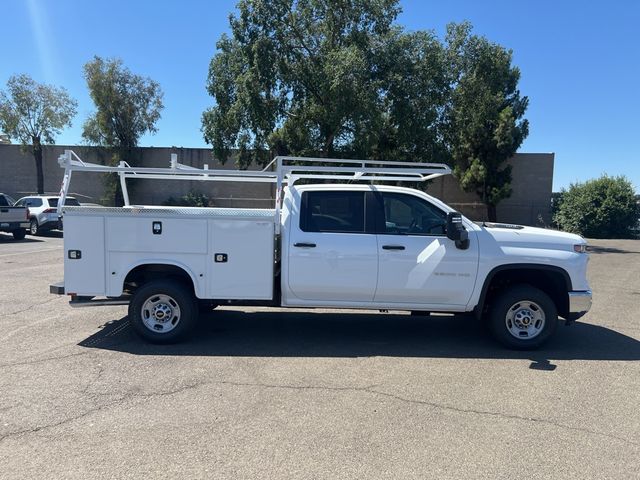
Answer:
x=288 y=170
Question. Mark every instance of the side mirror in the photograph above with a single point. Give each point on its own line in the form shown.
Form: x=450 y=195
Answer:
x=456 y=231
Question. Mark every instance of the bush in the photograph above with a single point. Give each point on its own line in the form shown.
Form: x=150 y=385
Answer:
x=602 y=208
x=191 y=199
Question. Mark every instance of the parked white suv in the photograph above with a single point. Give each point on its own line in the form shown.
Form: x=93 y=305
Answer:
x=43 y=212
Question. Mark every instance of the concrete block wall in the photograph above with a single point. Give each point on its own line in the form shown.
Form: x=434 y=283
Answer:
x=530 y=203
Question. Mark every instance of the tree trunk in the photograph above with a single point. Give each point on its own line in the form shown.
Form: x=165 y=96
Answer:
x=491 y=213
x=37 y=155
x=328 y=145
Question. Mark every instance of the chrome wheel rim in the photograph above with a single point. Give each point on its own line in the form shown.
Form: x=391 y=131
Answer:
x=33 y=227
x=160 y=313
x=525 y=320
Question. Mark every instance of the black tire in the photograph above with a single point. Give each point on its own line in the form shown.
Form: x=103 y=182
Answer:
x=528 y=312
x=34 y=228
x=169 y=295
x=19 y=234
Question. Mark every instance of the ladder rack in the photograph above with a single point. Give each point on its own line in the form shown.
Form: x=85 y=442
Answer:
x=282 y=170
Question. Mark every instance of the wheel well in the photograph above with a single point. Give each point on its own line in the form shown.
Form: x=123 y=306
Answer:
x=155 y=271
x=555 y=282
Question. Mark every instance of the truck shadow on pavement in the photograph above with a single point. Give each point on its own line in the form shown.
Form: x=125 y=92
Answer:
x=296 y=334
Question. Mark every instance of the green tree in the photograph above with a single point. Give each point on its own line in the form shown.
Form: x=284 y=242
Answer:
x=35 y=113
x=325 y=77
x=127 y=107
x=602 y=208
x=485 y=115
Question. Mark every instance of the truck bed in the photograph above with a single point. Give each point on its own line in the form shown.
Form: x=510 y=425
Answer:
x=228 y=253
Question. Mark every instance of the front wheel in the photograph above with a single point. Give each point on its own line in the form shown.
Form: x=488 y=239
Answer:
x=523 y=317
x=163 y=311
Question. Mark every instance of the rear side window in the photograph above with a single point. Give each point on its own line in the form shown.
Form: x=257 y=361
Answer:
x=33 y=202
x=71 y=202
x=4 y=202
x=337 y=212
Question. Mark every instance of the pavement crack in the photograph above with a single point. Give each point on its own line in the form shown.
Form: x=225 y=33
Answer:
x=27 y=431
x=30 y=307
x=439 y=406
x=370 y=389
x=41 y=360
x=506 y=416
x=118 y=401
x=95 y=379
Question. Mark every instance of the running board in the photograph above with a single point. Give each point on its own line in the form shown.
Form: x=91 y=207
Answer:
x=78 y=302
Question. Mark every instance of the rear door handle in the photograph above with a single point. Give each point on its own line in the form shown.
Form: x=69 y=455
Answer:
x=304 y=245
x=4 y=210
x=393 y=247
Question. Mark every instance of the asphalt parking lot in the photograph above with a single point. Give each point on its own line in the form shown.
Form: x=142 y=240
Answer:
x=266 y=393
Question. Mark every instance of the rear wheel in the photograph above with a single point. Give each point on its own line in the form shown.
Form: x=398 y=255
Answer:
x=523 y=317
x=34 y=228
x=19 y=234
x=163 y=311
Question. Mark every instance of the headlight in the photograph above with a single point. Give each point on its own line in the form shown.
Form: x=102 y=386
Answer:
x=580 y=248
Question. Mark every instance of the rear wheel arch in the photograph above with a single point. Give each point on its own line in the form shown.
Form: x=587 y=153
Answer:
x=552 y=280
x=143 y=273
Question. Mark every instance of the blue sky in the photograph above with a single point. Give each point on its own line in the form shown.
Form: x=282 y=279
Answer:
x=580 y=64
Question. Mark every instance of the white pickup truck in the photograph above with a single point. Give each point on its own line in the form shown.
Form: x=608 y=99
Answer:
x=344 y=245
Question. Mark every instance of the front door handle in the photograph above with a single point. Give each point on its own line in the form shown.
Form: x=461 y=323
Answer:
x=304 y=245
x=393 y=247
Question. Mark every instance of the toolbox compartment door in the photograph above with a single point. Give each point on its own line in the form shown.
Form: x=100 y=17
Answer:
x=84 y=255
x=241 y=259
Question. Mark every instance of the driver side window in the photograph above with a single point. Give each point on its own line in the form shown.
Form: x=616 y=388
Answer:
x=409 y=215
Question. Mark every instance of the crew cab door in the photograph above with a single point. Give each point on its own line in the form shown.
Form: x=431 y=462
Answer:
x=418 y=264
x=331 y=257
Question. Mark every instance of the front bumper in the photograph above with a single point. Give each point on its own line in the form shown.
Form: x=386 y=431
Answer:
x=579 y=303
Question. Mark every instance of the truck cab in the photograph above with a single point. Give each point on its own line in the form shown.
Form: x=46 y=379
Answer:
x=374 y=246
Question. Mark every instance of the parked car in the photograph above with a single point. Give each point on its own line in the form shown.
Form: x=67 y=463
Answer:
x=13 y=219
x=43 y=215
